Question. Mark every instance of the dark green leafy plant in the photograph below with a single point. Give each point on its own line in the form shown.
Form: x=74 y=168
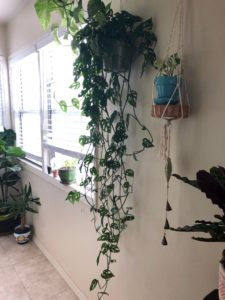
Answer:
x=211 y=183
x=13 y=199
x=19 y=204
x=105 y=98
x=168 y=66
x=9 y=167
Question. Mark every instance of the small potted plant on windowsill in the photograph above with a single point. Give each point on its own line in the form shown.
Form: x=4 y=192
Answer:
x=167 y=83
x=67 y=173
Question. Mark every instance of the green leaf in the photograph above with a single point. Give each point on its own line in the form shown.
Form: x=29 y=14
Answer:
x=107 y=274
x=127 y=121
x=55 y=33
x=193 y=183
x=93 y=171
x=15 y=168
x=44 y=8
x=132 y=98
x=135 y=156
x=84 y=140
x=128 y=218
x=15 y=151
x=168 y=169
x=126 y=184
x=147 y=143
x=98 y=258
x=93 y=284
x=63 y=105
x=75 y=102
x=75 y=85
x=73 y=196
x=104 y=237
x=129 y=172
x=100 y=18
x=76 y=13
x=114 y=249
x=95 y=6
x=113 y=116
x=114 y=225
x=88 y=159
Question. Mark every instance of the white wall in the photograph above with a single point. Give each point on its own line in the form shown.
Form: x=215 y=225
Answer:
x=3 y=46
x=24 y=30
x=185 y=269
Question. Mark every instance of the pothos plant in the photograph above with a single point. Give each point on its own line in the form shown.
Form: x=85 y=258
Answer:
x=105 y=98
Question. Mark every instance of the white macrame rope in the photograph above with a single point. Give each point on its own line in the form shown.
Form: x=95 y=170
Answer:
x=164 y=149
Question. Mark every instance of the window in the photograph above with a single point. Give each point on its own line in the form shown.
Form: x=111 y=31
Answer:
x=39 y=81
x=26 y=104
x=4 y=105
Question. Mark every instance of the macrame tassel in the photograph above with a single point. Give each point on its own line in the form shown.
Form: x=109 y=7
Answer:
x=163 y=147
x=168 y=206
x=167 y=225
x=164 y=241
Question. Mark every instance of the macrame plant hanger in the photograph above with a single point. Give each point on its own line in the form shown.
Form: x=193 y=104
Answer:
x=171 y=111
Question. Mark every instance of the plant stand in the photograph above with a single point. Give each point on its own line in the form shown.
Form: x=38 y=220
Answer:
x=170 y=112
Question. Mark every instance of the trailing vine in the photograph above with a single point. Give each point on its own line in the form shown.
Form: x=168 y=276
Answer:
x=110 y=102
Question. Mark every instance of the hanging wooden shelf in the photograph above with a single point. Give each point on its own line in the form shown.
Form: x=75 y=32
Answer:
x=172 y=111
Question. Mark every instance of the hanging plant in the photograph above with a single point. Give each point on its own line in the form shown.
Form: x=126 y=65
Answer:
x=107 y=44
x=171 y=100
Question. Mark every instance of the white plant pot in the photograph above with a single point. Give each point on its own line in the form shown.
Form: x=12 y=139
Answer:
x=23 y=237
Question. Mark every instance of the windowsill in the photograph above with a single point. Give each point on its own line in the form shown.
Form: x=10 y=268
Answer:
x=52 y=180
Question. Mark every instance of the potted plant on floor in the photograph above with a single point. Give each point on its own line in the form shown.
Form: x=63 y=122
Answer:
x=20 y=206
x=9 y=178
x=167 y=83
x=67 y=173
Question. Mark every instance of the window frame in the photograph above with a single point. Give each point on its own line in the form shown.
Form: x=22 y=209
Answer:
x=48 y=151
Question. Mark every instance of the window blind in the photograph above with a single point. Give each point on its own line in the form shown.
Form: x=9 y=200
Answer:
x=25 y=92
x=2 y=91
x=61 y=130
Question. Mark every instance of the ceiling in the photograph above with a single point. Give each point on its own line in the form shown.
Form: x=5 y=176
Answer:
x=9 y=9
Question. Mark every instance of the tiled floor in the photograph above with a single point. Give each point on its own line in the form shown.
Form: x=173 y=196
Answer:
x=25 y=274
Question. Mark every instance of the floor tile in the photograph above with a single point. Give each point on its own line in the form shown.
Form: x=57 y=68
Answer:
x=65 y=295
x=26 y=274
x=33 y=270
x=17 y=292
x=5 y=260
x=8 y=277
x=49 y=285
x=14 y=292
x=20 y=253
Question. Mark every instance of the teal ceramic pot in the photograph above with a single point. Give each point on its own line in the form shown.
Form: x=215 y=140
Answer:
x=165 y=89
x=67 y=175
